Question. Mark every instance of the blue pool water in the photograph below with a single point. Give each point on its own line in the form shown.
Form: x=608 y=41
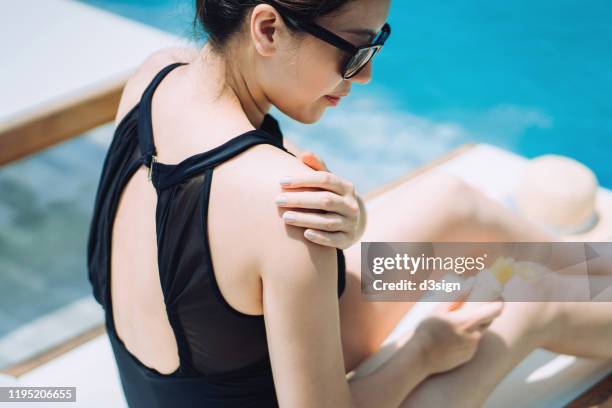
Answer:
x=532 y=76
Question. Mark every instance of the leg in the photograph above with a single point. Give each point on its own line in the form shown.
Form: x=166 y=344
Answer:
x=594 y=323
x=417 y=210
x=431 y=208
x=521 y=328
x=446 y=209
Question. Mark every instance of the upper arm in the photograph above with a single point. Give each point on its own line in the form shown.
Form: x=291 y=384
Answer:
x=138 y=82
x=302 y=319
x=301 y=312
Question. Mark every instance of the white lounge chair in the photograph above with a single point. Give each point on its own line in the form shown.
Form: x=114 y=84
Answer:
x=64 y=64
x=543 y=379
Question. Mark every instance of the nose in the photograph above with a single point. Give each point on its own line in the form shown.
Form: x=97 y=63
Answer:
x=364 y=76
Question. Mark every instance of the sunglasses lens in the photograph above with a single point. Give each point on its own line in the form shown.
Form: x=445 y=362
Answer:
x=359 y=60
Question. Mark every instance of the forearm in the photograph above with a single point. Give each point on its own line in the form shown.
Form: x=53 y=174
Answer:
x=390 y=383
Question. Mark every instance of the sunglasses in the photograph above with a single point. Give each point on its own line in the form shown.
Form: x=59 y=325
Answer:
x=358 y=57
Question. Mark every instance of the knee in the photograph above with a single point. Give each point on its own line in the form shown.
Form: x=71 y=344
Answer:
x=461 y=198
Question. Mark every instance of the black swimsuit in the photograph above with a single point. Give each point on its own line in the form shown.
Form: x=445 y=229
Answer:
x=224 y=360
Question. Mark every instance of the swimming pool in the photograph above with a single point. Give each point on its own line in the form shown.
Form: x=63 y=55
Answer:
x=531 y=76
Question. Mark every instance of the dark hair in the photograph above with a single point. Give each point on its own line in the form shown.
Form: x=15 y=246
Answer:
x=221 y=19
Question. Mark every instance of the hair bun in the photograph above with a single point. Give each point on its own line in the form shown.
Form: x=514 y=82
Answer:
x=221 y=19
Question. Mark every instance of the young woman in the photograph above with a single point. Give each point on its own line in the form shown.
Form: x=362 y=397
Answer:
x=214 y=295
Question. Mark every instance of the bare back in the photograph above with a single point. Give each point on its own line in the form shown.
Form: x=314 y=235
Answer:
x=180 y=131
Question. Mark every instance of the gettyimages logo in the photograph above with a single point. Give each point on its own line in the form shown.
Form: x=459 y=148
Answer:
x=514 y=271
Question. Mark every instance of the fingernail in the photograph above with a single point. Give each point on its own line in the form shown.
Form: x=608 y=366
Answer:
x=289 y=217
x=309 y=234
x=281 y=200
x=285 y=180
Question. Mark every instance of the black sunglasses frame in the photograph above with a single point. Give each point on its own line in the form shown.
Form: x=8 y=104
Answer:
x=335 y=40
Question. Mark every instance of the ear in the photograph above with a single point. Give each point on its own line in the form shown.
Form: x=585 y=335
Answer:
x=265 y=26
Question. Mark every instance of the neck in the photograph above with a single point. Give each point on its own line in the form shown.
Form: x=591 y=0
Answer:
x=238 y=87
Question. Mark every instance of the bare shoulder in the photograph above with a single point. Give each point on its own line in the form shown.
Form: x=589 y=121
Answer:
x=255 y=184
x=242 y=212
x=154 y=63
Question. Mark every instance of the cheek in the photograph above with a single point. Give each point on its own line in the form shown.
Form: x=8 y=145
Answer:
x=318 y=70
x=309 y=74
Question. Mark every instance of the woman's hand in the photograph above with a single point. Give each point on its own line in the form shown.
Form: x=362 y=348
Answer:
x=333 y=214
x=450 y=338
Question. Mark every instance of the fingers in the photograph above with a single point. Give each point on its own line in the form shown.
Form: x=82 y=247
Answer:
x=443 y=308
x=463 y=295
x=330 y=239
x=475 y=336
x=484 y=316
x=326 y=222
x=313 y=161
x=320 y=200
x=459 y=300
x=457 y=303
x=480 y=316
x=321 y=179
x=482 y=327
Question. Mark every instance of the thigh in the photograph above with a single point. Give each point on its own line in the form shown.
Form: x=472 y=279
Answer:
x=424 y=209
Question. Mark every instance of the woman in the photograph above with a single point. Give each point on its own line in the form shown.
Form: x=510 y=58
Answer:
x=264 y=326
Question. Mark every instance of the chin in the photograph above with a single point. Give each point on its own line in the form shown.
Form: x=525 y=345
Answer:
x=311 y=119
x=305 y=116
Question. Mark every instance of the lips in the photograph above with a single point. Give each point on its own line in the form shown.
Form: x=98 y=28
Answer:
x=333 y=100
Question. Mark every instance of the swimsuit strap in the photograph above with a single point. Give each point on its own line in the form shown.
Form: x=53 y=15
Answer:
x=165 y=175
x=145 y=126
